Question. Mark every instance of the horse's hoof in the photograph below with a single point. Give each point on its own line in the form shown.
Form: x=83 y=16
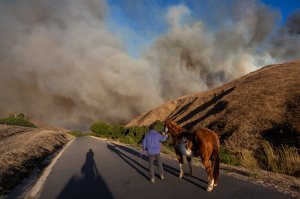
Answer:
x=180 y=175
x=209 y=188
x=215 y=185
x=210 y=185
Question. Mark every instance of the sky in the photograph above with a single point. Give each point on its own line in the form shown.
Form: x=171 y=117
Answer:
x=74 y=62
x=125 y=16
x=285 y=7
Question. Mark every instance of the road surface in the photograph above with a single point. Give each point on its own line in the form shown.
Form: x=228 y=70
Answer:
x=92 y=168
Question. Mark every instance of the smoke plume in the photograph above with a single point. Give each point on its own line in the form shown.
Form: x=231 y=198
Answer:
x=60 y=63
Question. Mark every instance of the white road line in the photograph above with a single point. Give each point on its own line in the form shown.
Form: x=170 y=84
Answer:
x=36 y=189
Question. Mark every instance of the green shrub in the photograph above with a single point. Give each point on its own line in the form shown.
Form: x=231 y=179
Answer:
x=79 y=133
x=101 y=129
x=131 y=135
x=137 y=132
x=228 y=158
x=18 y=120
x=159 y=126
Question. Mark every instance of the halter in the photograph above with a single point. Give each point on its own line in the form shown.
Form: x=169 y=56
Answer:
x=175 y=126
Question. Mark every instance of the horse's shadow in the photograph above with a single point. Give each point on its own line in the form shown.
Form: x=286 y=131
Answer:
x=135 y=164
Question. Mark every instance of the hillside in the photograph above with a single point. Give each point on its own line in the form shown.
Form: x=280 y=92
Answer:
x=22 y=149
x=264 y=104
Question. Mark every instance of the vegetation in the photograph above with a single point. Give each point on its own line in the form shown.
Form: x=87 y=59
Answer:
x=282 y=159
x=228 y=158
x=79 y=133
x=248 y=160
x=131 y=135
x=18 y=120
x=134 y=135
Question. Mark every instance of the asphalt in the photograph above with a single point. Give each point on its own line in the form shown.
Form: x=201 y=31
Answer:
x=92 y=168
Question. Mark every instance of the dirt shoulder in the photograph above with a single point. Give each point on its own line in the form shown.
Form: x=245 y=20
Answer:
x=23 y=149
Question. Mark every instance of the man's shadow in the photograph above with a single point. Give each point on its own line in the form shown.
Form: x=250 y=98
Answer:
x=91 y=185
x=89 y=168
x=140 y=169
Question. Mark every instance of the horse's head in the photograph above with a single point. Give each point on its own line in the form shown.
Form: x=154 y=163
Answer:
x=171 y=127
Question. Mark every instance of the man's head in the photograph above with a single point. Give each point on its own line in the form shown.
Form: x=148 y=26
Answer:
x=151 y=127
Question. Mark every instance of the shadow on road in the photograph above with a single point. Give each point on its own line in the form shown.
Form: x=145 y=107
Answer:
x=130 y=161
x=91 y=185
x=141 y=169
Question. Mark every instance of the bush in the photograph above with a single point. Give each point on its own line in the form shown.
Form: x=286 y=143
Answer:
x=137 y=133
x=131 y=135
x=101 y=129
x=228 y=158
x=159 y=126
x=79 y=133
x=18 y=120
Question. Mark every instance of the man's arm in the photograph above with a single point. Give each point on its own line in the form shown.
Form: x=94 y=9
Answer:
x=144 y=147
x=163 y=138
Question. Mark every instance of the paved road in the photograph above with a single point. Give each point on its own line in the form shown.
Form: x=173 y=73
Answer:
x=91 y=168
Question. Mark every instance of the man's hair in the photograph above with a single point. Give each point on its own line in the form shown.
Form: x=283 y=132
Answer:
x=151 y=127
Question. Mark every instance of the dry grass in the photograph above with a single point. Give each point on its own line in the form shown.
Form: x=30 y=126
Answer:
x=271 y=156
x=283 y=159
x=22 y=149
x=247 y=160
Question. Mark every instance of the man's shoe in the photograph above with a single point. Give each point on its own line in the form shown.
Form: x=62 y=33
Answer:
x=152 y=180
x=162 y=177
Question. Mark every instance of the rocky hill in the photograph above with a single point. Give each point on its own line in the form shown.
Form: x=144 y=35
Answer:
x=264 y=104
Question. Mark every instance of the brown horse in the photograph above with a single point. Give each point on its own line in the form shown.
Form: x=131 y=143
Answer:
x=201 y=142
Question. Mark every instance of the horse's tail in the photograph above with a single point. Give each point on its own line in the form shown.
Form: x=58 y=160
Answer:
x=216 y=162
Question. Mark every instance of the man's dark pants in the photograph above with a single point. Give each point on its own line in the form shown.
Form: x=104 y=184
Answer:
x=151 y=164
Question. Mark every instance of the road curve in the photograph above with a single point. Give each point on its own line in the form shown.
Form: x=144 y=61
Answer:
x=92 y=168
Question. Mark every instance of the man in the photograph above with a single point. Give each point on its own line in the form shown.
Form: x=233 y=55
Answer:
x=151 y=144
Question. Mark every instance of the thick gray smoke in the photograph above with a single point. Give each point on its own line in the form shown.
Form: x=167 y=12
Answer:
x=286 y=43
x=60 y=63
x=201 y=58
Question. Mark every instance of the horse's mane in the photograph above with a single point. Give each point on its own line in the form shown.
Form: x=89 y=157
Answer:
x=176 y=129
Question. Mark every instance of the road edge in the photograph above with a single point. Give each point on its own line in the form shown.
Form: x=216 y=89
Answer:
x=37 y=187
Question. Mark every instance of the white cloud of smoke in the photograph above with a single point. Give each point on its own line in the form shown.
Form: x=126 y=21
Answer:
x=60 y=63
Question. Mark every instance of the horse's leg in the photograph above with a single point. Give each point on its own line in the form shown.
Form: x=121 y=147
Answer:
x=180 y=159
x=190 y=166
x=208 y=168
x=216 y=163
